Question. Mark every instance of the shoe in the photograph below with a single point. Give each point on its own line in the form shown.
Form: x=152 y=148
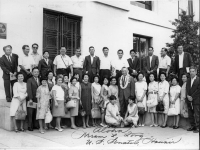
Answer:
x=60 y=130
x=139 y=125
x=152 y=125
x=191 y=129
x=9 y=99
x=22 y=130
x=102 y=125
x=36 y=128
x=196 y=131
x=30 y=129
x=84 y=127
x=155 y=125
x=16 y=130
x=142 y=125
x=163 y=126
x=175 y=127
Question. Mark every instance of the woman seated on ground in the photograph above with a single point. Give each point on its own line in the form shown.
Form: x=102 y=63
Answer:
x=112 y=116
x=131 y=115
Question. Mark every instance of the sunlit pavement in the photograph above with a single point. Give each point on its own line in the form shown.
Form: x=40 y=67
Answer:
x=101 y=138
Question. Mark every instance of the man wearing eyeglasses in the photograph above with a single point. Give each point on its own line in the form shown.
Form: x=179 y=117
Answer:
x=37 y=57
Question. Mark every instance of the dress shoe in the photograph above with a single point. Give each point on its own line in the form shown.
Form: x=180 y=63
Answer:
x=175 y=127
x=196 y=131
x=30 y=129
x=164 y=126
x=9 y=99
x=191 y=129
x=36 y=128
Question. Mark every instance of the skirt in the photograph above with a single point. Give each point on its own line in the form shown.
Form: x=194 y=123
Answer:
x=112 y=121
x=72 y=112
x=133 y=120
x=152 y=96
x=58 y=111
x=14 y=106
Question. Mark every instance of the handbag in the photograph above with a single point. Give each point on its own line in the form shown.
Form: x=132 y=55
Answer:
x=151 y=103
x=184 y=109
x=20 y=113
x=81 y=110
x=160 y=106
x=96 y=113
x=71 y=104
x=172 y=110
x=141 y=108
x=48 y=117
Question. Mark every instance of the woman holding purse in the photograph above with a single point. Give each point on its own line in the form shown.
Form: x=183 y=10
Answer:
x=19 y=100
x=174 y=99
x=153 y=96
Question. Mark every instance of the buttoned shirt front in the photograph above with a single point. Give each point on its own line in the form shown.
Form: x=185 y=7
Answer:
x=46 y=60
x=118 y=64
x=181 y=60
x=9 y=57
x=62 y=61
x=150 y=58
x=26 y=61
x=92 y=58
x=164 y=62
x=105 y=62
x=77 y=61
x=37 y=57
x=192 y=80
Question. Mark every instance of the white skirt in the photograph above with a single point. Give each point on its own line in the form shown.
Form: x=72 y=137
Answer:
x=14 y=106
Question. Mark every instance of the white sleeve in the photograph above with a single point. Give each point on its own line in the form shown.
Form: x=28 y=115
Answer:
x=169 y=61
x=55 y=61
x=20 y=61
x=145 y=86
x=166 y=90
x=70 y=61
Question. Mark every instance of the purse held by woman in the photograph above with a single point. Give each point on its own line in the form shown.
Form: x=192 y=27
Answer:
x=20 y=113
x=48 y=117
x=172 y=110
x=141 y=108
x=151 y=103
x=160 y=106
x=95 y=112
x=71 y=104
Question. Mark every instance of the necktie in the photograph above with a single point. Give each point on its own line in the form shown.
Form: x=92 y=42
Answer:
x=9 y=59
x=123 y=80
x=46 y=61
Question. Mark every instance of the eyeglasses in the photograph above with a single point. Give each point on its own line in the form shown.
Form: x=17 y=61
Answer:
x=35 y=47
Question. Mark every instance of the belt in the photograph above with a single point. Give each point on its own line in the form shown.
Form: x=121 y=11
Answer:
x=61 y=68
x=153 y=92
x=78 y=68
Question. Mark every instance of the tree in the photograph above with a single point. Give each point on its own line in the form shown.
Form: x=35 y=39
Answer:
x=186 y=34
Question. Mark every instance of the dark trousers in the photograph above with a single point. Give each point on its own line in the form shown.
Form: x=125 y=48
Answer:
x=63 y=71
x=8 y=87
x=26 y=76
x=193 y=115
x=123 y=106
x=104 y=73
x=161 y=70
x=118 y=75
x=31 y=114
x=78 y=71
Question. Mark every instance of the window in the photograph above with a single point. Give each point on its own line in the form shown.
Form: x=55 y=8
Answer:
x=143 y=4
x=141 y=44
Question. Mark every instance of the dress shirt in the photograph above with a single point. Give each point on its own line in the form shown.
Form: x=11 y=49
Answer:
x=92 y=57
x=181 y=60
x=105 y=62
x=26 y=61
x=37 y=80
x=58 y=61
x=192 y=80
x=77 y=61
x=118 y=64
x=9 y=57
x=164 y=62
x=46 y=60
x=37 y=57
x=150 y=58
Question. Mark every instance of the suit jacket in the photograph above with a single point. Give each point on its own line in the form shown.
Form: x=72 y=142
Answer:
x=128 y=91
x=154 y=63
x=133 y=64
x=7 y=66
x=32 y=89
x=94 y=67
x=44 y=67
x=193 y=91
x=187 y=62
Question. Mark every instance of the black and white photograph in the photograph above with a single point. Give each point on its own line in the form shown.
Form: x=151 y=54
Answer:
x=108 y=74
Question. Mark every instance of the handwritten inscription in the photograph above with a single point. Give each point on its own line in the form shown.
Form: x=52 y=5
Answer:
x=101 y=136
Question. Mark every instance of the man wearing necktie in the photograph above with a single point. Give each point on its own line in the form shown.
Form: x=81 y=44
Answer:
x=9 y=63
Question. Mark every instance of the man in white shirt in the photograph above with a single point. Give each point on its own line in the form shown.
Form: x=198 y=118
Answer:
x=26 y=63
x=62 y=63
x=37 y=57
x=118 y=64
x=78 y=61
x=105 y=65
x=164 y=62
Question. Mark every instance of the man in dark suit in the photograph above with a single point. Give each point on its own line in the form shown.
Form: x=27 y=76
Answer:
x=45 y=65
x=32 y=85
x=134 y=64
x=91 y=64
x=9 y=63
x=183 y=61
x=126 y=89
x=150 y=64
x=193 y=99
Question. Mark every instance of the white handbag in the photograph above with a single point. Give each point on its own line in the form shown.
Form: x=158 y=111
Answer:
x=152 y=101
x=48 y=117
x=172 y=110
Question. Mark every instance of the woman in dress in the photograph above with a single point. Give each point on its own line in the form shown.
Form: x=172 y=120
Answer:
x=74 y=95
x=153 y=94
x=96 y=98
x=18 y=100
x=163 y=95
x=58 y=110
x=113 y=90
x=131 y=115
x=104 y=96
x=140 y=92
x=174 y=99
x=112 y=116
x=43 y=96
x=86 y=99
x=184 y=107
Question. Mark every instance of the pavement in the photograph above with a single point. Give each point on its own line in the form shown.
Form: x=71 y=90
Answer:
x=101 y=138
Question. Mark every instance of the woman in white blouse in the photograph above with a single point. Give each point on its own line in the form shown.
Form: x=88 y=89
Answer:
x=174 y=99
x=140 y=92
x=163 y=95
x=19 y=100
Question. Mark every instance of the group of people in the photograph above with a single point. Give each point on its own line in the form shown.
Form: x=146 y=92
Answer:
x=118 y=92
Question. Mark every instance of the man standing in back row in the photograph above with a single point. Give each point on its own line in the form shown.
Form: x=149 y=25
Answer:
x=37 y=57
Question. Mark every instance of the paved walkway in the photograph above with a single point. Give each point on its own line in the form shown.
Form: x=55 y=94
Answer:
x=99 y=138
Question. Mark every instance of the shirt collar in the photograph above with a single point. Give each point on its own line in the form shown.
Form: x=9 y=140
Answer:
x=92 y=56
x=62 y=55
x=34 y=54
x=181 y=54
x=9 y=55
x=194 y=78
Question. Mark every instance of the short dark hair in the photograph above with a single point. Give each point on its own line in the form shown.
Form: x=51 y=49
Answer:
x=112 y=97
x=106 y=77
x=139 y=74
x=86 y=75
x=35 y=44
x=104 y=48
x=132 y=50
x=193 y=67
x=174 y=77
x=151 y=47
x=132 y=98
x=24 y=46
x=152 y=74
x=184 y=74
x=113 y=78
x=163 y=73
x=91 y=47
x=45 y=52
x=165 y=49
x=49 y=73
x=35 y=68
x=4 y=48
x=44 y=78
x=58 y=77
x=73 y=79
x=120 y=50
x=66 y=75
x=96 y=76
x=19 y=73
